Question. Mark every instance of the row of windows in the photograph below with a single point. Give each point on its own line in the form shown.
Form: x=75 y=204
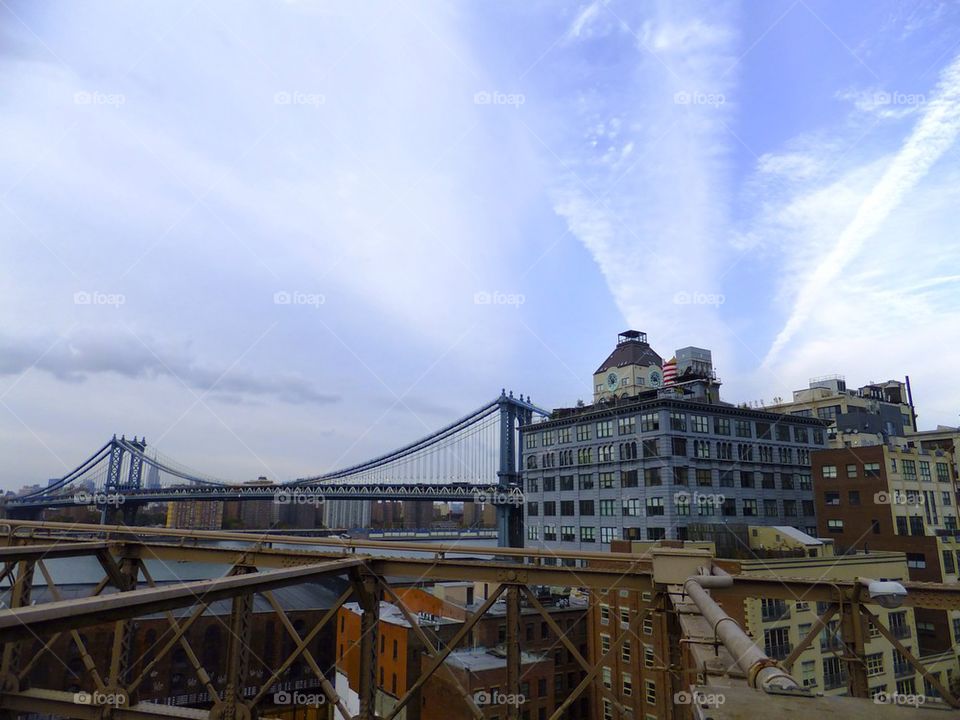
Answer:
x=678 y=421
x=908 y=469
x=684 y=476
x=705 y=505
x=677 y=447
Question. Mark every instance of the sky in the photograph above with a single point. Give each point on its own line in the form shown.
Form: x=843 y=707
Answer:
x=280 y=238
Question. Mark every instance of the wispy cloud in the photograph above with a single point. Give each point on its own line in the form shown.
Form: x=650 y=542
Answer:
x=935 y=132
x=644 y=166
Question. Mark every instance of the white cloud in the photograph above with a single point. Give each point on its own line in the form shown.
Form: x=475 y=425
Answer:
x=932 y=136
x=646 y=194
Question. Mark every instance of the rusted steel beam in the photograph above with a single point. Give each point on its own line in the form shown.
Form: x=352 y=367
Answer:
x=83 y=612
x=51 y=550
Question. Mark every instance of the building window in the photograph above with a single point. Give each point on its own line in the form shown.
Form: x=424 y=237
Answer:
x=625 y=651
x=678 y=421
x=604 y=641
x=704 y=477
x=750 y=507
x=606 y=480
x=650 y=422
x=835 y=526
x=701 y=448
x=627 y=685
x=583 y=432
x=831 y=497
x=651 y=477
x=533 y=532
x=700 y=423
x=568 y=533
x=777 y=642
x=607 y=534
x=607 y=678
x=631 y=508
x=680 y=475
x=678 y=446
x=871 y=469
x=628 y=450
x=608 y=508
x=909 y=469
x=533 y=509
x=829 y=471
x=770 y=508
x=586 y=508
x=604 y=429
x=651 y=692
x=874 y=664
x=654 y=506
x=721 y=426
x=628 y=478
x=651 y=448
x=744 y=428
x=918 y=561
x=853 y=497
x=627 y=425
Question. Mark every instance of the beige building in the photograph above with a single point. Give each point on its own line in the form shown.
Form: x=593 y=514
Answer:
x=866 y=416
x=778 y=626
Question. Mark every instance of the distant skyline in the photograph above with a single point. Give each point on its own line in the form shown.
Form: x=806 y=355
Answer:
x=277 y=238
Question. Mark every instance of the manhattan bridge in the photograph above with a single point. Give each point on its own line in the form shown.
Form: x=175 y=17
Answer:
x=473 y=458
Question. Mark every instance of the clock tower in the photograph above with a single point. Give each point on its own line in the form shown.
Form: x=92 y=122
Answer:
x=632 y=367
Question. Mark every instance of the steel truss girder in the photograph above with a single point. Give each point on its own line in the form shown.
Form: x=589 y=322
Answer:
x=83 y=612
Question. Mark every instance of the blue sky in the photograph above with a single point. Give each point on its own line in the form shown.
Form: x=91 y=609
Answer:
x=776 y=181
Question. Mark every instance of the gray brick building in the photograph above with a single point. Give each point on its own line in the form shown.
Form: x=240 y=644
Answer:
x=650 y=462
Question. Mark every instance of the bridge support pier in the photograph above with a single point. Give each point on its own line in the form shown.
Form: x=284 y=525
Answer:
x=510 y=515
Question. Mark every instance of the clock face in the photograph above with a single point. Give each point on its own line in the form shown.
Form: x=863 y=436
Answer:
x=612 y=380
x=655 y=378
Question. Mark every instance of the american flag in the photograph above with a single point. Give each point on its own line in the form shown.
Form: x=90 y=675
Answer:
x=670 y=371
